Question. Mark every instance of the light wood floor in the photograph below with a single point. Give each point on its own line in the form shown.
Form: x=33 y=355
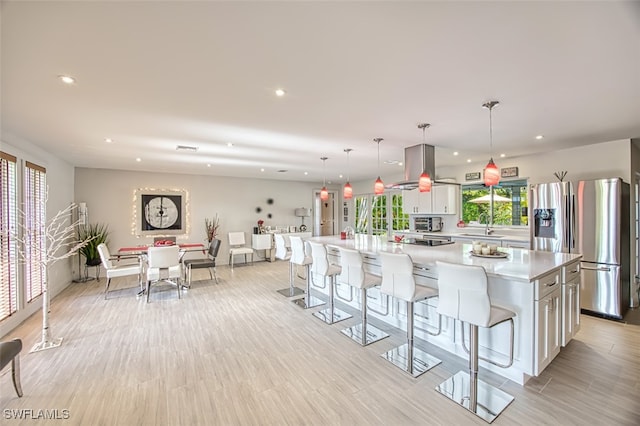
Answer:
x=238 y=353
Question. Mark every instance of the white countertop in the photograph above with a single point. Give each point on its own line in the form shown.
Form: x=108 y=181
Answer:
x=521 y=264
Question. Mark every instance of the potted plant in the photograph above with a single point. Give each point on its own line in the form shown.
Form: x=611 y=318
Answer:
x=96 y=234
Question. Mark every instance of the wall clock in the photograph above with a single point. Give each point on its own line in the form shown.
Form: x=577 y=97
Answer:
x=161 y=212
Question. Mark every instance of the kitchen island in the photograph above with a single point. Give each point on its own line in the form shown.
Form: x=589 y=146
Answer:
x=530 y=283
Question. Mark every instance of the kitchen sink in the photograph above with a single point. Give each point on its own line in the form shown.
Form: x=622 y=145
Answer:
x=482 y=235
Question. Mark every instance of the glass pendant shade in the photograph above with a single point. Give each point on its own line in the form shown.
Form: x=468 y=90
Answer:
x=378 y=187
x=424 y=183
x=491 y=174
x=347 y=193
x=324 y=194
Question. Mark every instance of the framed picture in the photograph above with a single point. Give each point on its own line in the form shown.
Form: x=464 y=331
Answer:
x=472 y=176
x=160 y=212
x=509 y=172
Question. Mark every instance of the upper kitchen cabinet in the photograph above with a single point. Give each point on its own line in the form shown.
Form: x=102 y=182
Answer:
x=444 y=199
x=416 y=202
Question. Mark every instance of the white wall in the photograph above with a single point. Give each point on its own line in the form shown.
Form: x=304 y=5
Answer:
x=60 y=184
x=109 y=198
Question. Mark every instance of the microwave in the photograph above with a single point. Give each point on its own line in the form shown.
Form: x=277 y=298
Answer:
x=428 y=224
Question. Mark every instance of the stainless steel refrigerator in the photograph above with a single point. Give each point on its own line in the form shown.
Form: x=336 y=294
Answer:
x=589 y=217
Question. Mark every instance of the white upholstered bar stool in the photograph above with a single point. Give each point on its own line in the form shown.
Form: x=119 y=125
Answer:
x=398 y=282
x=464 y=296
x=322 y=267
x=299 y=257
x=283 y=253
x=354 y=275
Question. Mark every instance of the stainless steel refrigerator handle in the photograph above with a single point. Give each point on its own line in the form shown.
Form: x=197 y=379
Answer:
x=601 y=268
x=572 y=222
x=567 y=221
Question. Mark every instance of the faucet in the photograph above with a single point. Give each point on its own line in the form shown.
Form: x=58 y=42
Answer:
x=487 y=230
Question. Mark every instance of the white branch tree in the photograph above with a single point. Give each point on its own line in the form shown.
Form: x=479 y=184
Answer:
x=60 y=242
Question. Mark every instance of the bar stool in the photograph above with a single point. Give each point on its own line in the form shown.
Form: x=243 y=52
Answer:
x=299 y=257
x=353 y=275
x=398 y=282
x=283 y=253
x=322 y=267
x=464 y=296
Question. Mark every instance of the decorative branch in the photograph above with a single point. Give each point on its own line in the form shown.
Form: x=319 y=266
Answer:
x=560 y=175
x=212 y=226
x=59 y=244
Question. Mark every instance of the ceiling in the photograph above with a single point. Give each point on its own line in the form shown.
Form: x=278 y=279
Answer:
x=154 y=75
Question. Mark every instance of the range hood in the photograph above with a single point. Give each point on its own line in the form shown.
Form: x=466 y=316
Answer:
x=417 y=159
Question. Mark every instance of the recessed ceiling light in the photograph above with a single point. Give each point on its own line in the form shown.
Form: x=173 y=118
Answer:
x=340 y=176
x=540 y=137
x=229 y=144
x=138 y=159
x=468 y=160
x=306 y=173
x=67 y=79
x=400 y=163
x=455 y=153
x=503 y=155
x=262 y=170
x=108 y=140
x=208 y=164
x=280 y=92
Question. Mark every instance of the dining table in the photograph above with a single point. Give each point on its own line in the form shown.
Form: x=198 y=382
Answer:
x=141 y=251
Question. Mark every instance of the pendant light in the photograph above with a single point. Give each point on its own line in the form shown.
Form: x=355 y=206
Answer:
x=324 y=194
x=491 y=172
x=378 y=187
x=347 y=193
x=424 y=182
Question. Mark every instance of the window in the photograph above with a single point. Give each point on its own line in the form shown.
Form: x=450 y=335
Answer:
x=362 y=215
x=8 y=245
x=509 y=203
x=34 y=223
x=379 y=220
x=399 y=219
x=383 y=212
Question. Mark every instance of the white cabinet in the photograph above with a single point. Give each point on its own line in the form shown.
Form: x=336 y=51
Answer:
x=444 y=199
x=570 y=301
x=548 y=319
x=416 y=202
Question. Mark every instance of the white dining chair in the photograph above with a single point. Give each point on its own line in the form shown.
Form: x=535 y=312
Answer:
x=237 y=245
x=164 y=265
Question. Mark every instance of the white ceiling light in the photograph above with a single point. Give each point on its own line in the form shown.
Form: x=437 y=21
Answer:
x=108 y=140
x=455 y=153
x=229 y=144
x=67 y=79
x=539 y=137
x=503 y=155
x=280 y=92
x=138 y=159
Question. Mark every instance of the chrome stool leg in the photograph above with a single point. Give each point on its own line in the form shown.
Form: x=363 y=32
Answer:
x=308 y=301
x=292 y=290
x=482 y=399
x=331 y=315
x=364 y=333
x=409 y=358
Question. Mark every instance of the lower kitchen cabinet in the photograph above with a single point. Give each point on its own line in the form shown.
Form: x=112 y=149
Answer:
x=570 y=301
x=548 y=312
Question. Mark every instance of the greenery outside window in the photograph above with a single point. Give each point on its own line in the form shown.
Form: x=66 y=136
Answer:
x=510 y=212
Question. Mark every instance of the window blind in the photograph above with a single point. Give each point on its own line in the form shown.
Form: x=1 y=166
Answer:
x=35 y=186
x=8 y=244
